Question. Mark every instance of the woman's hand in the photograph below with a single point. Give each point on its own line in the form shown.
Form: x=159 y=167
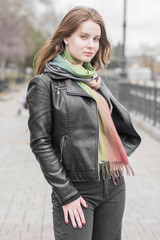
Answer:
x=75 y=212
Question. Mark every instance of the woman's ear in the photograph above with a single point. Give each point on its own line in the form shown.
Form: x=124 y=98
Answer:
x=65 y=40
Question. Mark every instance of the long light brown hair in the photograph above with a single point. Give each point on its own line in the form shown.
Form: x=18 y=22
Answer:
x=69 y=24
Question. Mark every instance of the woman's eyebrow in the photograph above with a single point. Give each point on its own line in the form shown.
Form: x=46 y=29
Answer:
x=89 y=34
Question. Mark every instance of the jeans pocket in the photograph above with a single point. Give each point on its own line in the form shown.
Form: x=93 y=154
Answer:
x=55 y=200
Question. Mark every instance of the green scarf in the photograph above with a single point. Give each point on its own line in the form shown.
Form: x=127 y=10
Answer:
x=111 y=152
x=64 y=60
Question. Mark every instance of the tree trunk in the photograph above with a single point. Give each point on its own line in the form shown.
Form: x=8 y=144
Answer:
x=2 y=68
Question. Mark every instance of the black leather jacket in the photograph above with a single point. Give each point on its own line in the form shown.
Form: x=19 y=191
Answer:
x=64 y=131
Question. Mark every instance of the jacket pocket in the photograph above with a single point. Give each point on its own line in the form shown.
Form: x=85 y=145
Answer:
x=62 y=146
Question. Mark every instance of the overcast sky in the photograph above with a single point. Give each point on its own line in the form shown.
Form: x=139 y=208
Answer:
x=143 y=20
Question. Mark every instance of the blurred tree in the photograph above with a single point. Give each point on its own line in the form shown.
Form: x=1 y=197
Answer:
x=34 y=40
x=48 y=20
x=22 y=29
x=45 y=23
x=116 y=56
x=117 y=50
x=13 y=23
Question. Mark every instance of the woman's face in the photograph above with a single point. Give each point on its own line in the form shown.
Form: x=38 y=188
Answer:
x=83 y=44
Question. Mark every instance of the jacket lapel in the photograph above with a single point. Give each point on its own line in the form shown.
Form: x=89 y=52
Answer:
x=74 y=89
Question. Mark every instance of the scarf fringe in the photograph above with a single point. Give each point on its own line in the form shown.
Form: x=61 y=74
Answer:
x=115 y=170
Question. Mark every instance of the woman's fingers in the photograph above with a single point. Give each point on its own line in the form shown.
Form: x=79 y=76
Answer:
x=77 y=218
x=83 y=202
x=81 y=214
x=71 y=214
x=75 y=212
x=65 y=215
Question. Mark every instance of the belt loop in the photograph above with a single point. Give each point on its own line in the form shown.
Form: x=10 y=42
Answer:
x=103 y=171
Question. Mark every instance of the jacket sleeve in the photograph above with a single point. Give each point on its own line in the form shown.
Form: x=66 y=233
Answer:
x=40 y=126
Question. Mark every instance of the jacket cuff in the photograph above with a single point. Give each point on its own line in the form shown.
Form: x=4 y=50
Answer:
x=71 y=199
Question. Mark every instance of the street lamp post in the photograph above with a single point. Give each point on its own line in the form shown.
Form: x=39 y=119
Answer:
x=123 y=88
x=124 y=73
x=155 y=92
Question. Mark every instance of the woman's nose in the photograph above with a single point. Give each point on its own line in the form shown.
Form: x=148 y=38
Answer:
x=90 y=43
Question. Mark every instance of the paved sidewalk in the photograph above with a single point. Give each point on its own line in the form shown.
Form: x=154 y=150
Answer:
x=25 y=202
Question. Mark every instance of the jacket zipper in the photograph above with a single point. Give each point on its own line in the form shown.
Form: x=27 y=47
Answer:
x=59 y=88
x=75 y=94
x=61 y=146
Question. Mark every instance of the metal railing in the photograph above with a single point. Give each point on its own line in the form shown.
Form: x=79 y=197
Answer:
x=142 y=100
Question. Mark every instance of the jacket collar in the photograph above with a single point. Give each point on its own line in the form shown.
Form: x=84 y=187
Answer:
x=74 y=89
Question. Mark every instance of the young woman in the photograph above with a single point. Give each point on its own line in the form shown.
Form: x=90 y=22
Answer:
x=80 y=134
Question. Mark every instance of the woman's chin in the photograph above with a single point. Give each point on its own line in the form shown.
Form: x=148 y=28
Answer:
x=87 y=59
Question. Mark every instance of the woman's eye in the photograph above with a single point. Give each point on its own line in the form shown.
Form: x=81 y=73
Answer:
x=96 y=39
x=83 y=37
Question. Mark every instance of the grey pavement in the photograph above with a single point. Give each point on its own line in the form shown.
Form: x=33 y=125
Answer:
x=25 y=196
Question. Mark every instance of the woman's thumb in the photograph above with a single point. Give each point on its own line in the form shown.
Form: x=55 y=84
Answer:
x=83 y=202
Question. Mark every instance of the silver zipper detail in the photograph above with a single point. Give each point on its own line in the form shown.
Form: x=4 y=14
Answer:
x=61 y=146
x=59 y=88
x=75 y=94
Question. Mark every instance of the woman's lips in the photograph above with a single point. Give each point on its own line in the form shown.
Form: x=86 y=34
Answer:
x=88 y=53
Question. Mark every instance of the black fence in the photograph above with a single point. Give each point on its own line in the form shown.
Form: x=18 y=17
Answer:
x=142 y=100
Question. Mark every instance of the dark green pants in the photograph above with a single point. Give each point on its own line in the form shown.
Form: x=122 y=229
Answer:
x=103 y=216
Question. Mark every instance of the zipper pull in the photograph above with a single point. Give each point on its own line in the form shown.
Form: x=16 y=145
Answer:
x=57 y=89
